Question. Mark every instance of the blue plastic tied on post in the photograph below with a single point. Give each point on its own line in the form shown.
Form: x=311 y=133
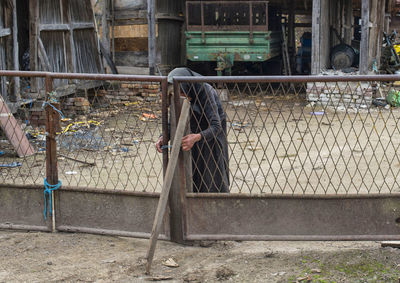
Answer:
x=53 y=99
x=47 y=191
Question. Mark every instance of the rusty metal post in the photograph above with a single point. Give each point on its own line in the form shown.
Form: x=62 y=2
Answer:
x=177 y=196
x=52 y=124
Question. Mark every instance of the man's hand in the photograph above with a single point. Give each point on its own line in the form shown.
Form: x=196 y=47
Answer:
x=159 y=144
x=189 y=140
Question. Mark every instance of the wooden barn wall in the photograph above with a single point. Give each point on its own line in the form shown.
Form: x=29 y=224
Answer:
x=8 y=48
x=131 y=33
x=66 y=30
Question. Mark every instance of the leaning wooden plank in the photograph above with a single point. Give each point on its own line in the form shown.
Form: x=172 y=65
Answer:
x=14 y=132
x=162 y=203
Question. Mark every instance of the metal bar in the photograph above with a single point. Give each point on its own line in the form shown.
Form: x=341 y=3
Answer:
x=52 y=123
x=235 y=28
x=23 y=227
x=293 y=79
x=227 y=237
x=282 y=196
x=86 y=190
x=74 y=229
x=212 y=79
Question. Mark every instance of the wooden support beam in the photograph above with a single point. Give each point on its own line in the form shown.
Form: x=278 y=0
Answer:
x=364 y=44
x=373 y=33
x=316 y=22
x=82 y=26
x=348 y=21
x=162 y=203
x=54 y=27
x=151 y=19
x=44 y=60
x=105 y=36
x=13 y=131
x=33 y=35
x=15 y=52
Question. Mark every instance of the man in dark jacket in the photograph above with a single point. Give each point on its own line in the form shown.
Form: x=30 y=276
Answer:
x=207 y=141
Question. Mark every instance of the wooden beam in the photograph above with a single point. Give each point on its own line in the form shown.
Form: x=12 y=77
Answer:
x=16 y=51
x=364 y=44
x=372 y=45
x=324 y=36
x=5 y=32
x=151 y=6
x=33 y=35
x=44 y=60
x=162 y=203
x=72 y=41
x=348 y=21
x=54 y=27
x=13 y=131
x=105 y=36
x=82 y=26
x=316 y=23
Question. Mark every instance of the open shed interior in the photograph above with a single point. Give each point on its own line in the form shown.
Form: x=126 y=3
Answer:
x=322 y=24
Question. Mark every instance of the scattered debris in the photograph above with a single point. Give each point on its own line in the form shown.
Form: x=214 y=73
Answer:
x=11 y=165
x=149 y=115
x=317 y=113
x=306 y=279
x=252 y=148
x=315 y=270
x=170 y=263
x=281 y=273
x=71 y=173
x=159 y=278
x=108 y=261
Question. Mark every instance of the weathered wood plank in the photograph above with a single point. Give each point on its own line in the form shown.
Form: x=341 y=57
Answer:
x=364 y=44
x=82 y=26
x=151 y=18
x=14 y=132
x=16 y=51
x=44 y=60
x=5 y=32
x=162 y=204
x=316 y=21
x=33 y=34
x=54 y=27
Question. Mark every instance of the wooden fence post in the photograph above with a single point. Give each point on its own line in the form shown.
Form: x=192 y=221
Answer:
x=52 y=124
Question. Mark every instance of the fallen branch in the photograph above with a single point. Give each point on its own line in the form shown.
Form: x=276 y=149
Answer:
x=77 y=160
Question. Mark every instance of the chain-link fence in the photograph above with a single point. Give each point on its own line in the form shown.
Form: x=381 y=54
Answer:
x=259 y=135
x=105 y=131
x=299 y=135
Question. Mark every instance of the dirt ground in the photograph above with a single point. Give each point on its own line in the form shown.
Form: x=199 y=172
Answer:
x=63 y=257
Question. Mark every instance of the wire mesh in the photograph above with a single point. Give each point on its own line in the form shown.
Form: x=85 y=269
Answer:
x=299 y=138
x=107 y=137
x=22 y=136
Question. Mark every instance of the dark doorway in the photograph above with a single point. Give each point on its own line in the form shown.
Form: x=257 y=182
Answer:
x=23 y=33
